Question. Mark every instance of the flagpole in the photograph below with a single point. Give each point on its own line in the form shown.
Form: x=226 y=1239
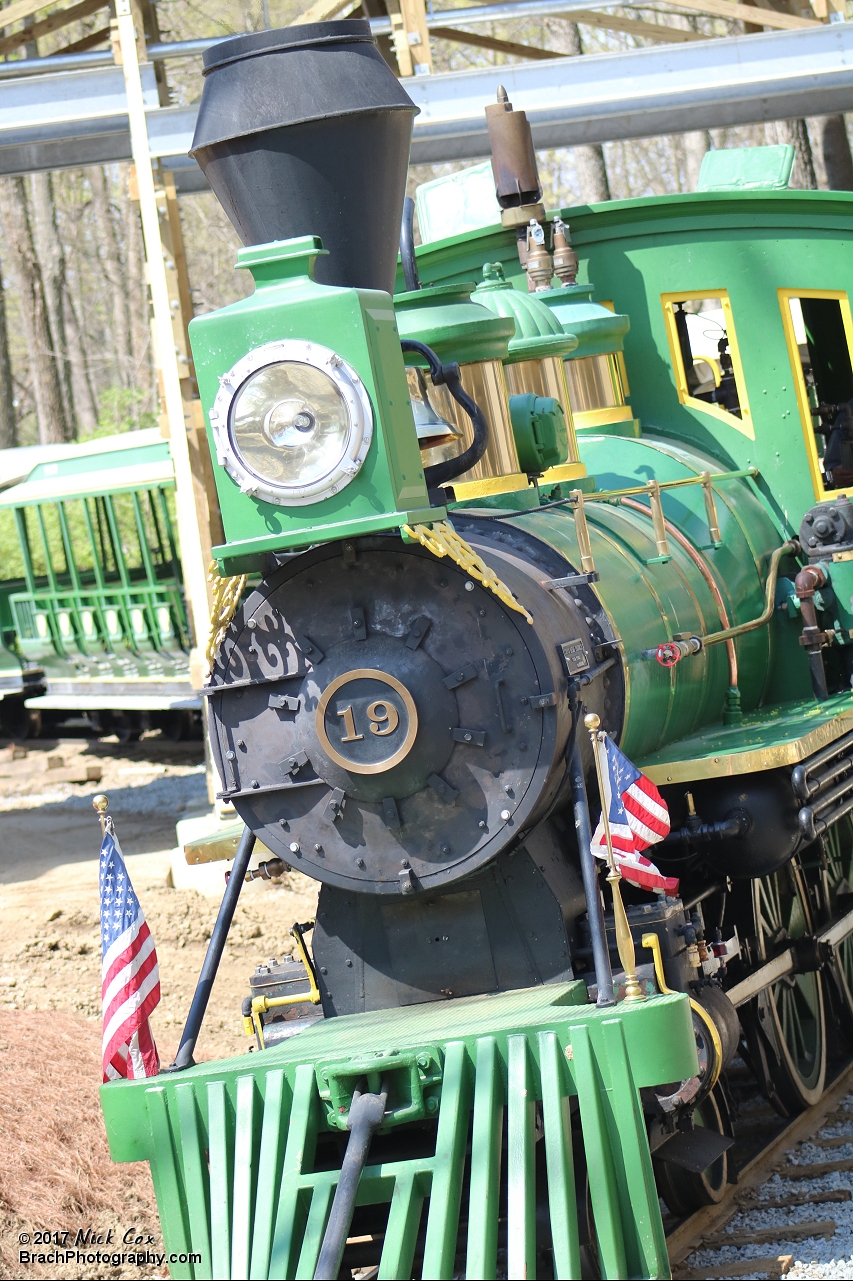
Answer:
x=624 y=941
x=589 y=868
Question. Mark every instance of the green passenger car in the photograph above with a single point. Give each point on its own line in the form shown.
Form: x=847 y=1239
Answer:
x=93 y=607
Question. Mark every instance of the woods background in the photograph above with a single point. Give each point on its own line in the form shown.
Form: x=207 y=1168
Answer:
x=75 y=344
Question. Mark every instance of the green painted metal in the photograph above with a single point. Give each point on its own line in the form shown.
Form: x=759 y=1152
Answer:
x=94 y=605
x=234 y=1145
x=359 y=325
x=447 y=319
x=539 y=428
x=11 y=665
x=746 y=169
x=102 y=598
x=749 y=243
x=649 y=599
x=538 y=333
x=768 y=730
x=597 y=329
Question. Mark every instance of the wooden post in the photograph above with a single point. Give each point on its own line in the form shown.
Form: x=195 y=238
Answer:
x=178 y=415
x=413 y=13
x=205 y=497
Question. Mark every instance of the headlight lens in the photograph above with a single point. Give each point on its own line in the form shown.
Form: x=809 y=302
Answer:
x=292 y=422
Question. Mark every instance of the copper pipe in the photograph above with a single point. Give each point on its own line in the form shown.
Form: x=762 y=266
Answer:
x=805 y=585
x=705 y=570
x=813 y=639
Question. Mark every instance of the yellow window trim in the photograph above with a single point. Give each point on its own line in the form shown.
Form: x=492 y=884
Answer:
x=744 y=424
x=785 y=296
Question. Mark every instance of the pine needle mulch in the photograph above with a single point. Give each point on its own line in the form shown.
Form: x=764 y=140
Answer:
x=55 y=1170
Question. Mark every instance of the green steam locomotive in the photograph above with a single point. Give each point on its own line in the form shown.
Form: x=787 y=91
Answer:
x=489 y=514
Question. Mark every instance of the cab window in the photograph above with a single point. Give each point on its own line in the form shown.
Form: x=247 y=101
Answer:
x=705 y=357
x=819 y=334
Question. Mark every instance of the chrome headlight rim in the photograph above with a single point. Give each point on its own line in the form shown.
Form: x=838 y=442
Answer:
x=353 y=393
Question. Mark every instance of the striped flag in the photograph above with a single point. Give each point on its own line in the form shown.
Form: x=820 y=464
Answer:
x=638 y=818
x=130 y=979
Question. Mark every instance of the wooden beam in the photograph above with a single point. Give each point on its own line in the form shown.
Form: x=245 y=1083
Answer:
x=325 y=9
x=169 y=372
x=413 y=13
x=725 y=9
x=529 y=51
x=12 y=13
x=53 y=22
x=88 y=42
x=747 y=13
x=633 y=26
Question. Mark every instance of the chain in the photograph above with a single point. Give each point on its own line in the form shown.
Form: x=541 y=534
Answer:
x=226 y=598
x=441 y=539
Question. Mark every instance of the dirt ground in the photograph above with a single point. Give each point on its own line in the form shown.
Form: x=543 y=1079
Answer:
x=50 y=962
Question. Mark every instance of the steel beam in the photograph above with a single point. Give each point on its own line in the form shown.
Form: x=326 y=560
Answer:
x=602 y=97
x=77 y=118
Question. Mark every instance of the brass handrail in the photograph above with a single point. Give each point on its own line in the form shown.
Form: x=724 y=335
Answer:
x=703 y=478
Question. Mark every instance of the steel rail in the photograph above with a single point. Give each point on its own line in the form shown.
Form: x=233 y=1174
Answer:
x=686 y=1235
x=785 y=963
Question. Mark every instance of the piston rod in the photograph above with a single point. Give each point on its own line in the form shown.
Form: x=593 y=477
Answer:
x=786 y=963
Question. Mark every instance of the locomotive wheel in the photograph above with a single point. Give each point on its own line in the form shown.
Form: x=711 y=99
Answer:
x=791 y=1010
x=838 y=846
x=684 y=1190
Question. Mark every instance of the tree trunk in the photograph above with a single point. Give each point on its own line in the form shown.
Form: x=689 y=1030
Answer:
x=80 y=343
x=795 y=133
x=113 y=269
x=8 y=419
x=589 y=160
x=696 y=145
x=52 y=259
x=24 y=264
x=81 y=379
x=837 y=160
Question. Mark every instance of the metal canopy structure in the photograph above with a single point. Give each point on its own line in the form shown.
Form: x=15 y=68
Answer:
x=66 y=119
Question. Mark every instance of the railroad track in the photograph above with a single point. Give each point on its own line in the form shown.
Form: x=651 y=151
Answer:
x=783 y=1194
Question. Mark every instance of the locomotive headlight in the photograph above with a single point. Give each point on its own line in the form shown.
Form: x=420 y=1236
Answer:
x=292 y=423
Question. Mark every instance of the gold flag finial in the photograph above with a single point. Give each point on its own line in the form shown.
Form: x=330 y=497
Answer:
x=101 y=803
x=624 y=941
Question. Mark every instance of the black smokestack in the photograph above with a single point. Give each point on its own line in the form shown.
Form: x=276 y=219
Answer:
x=306 y=131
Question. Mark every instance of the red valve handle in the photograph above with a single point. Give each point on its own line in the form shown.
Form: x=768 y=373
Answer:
x=668 y=654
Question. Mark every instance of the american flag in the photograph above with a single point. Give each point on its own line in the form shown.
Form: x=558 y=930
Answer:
x=130 y=979
x=638 y=818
